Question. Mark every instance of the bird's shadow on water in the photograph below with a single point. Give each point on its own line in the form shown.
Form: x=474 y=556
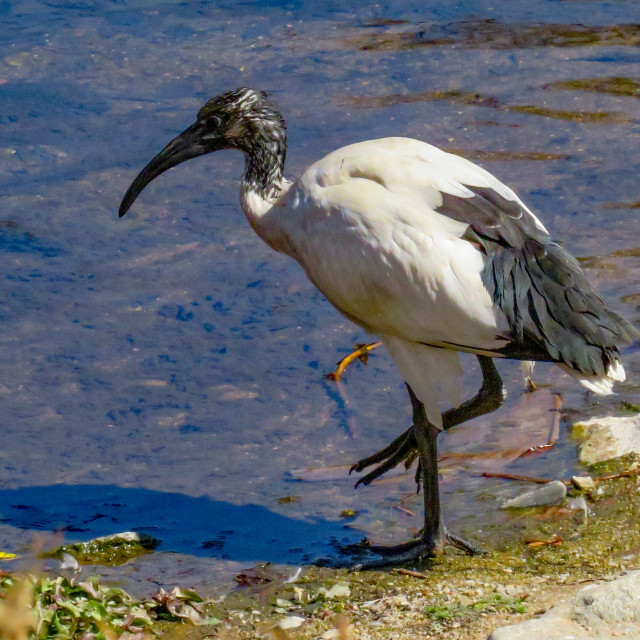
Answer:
x=184 y=524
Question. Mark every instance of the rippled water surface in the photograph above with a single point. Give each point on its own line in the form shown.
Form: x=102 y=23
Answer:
x=164 y=372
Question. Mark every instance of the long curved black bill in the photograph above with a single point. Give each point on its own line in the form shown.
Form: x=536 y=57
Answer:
x=189 y=144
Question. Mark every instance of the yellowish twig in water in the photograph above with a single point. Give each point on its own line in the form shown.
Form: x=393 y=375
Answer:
x=556 y=540
x=513 y=476
x=413 y=574
x=361 y=351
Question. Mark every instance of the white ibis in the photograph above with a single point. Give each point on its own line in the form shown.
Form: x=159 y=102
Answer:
x=427 y=251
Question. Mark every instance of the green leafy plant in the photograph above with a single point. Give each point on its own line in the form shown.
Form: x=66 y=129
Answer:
x=494 y=603
x=39 y=608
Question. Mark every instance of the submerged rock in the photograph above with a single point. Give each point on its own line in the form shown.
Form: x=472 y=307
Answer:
x=608 y=438
x=542 y=496
x=595 y=612
x=113 y=550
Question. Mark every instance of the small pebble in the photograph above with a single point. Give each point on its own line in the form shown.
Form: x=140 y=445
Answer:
x=584 y=483
x=579 y=504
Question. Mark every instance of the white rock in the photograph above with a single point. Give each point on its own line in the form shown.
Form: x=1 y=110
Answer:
x=548 y=627
x=546 y=494
x=596 y=612
x=608 y=438
x=291 y=622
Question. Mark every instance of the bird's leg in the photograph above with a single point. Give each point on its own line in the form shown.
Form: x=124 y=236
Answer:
x=426 y=435
x=432 y=539
x=420 y=440
x=404 y=448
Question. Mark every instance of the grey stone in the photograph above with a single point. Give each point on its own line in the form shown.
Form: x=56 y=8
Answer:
x=608 y=438
x=596 y=612
x=546 y=494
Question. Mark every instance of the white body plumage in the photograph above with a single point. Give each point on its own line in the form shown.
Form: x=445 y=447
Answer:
x=363 y=222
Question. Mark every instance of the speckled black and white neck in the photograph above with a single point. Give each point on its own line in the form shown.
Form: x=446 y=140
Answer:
x=253 y=125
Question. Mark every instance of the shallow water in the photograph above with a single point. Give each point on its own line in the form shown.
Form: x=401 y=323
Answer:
x=164 y=372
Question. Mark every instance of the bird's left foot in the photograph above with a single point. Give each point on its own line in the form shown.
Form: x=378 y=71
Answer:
x=403 y=449
x=413 y=551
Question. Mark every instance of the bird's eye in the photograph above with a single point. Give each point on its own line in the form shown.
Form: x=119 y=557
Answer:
x=214 y=121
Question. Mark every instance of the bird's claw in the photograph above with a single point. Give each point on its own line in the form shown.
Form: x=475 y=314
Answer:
x=413 y=551
x=402 y=449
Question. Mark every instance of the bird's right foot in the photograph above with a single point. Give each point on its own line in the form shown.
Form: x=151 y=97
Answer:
x=413 y=551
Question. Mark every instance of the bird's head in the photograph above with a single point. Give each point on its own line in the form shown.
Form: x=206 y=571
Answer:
x=242 y=119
